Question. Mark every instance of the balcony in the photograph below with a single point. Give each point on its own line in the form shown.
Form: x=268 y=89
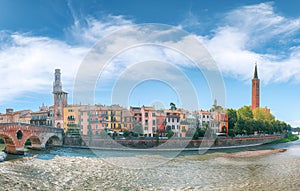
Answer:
x=72 y=125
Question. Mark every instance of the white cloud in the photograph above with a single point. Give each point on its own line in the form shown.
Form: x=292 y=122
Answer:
x=261 y=22
x=27 y=62
x=90 y=30
x=236 y=44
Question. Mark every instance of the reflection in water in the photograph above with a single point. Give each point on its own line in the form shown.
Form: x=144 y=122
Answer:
x=68 y=169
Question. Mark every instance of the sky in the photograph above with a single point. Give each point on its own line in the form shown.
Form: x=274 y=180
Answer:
x=146 y=65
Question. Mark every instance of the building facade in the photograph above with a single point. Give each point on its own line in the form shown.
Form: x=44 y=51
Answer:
x=173 y=121
x=71 y=117
x=149 y=121
x=11 y=116
x=41 y=117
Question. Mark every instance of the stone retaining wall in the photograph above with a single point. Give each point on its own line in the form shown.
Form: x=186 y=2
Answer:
x=176 y=143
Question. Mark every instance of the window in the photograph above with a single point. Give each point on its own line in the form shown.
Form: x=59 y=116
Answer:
x=146 y=122
x=153 y=114
x=146 y=114
x=153 y=122
x=173 y=126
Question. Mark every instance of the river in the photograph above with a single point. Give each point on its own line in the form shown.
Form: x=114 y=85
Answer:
x=81 y=169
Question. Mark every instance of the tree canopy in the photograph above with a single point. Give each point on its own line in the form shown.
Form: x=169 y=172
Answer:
x=138 y=128
x=263 y=114
x=173 y=106
x=247 y=121
x=245 y=113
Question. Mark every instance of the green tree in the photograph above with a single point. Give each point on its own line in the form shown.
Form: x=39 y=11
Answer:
x=245 y=113
x=232 y=118
x=201 y=132
x=263 y=114
x=231 y=133
x=239 y=126
x=115 y=134
x=126 y=133
x=172 y=106
x=170 y=134
x=168 y=128
x=138 y=128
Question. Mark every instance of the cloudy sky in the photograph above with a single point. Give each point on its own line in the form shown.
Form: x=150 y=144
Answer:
x=38 y=36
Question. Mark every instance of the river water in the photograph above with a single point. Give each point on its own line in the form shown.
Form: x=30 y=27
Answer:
x=81 y=169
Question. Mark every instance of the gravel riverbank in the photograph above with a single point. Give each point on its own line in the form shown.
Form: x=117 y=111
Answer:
x=153 y=172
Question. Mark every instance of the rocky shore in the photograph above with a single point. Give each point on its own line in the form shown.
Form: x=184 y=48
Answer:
x=151 y=172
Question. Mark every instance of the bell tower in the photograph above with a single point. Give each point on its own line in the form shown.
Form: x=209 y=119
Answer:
x=255 y=90
x=60 y=100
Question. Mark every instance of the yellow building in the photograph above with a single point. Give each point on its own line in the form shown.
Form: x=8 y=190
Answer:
x=114 y=118
x=71 y=117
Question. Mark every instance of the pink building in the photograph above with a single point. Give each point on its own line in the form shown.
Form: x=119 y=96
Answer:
x=93 y=119
x=148 y=120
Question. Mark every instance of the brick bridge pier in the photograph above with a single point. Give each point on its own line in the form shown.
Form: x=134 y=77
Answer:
x=15 y=135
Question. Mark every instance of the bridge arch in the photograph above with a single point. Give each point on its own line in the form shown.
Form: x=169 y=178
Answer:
x=9 y=142
x=35 y=142
x=53 y=140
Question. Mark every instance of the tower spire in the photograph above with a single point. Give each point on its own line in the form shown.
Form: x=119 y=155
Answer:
x=255 y=72
x=255 y=90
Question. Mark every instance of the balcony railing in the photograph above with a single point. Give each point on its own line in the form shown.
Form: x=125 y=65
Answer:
x=72 y=125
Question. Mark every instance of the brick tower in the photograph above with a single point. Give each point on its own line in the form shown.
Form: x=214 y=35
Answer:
x=255 y=90
x=60 y=100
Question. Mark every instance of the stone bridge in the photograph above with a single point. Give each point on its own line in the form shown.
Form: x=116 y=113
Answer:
x=15 y=135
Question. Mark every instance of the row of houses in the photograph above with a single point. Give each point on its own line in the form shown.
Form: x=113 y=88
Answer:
x=92 y=119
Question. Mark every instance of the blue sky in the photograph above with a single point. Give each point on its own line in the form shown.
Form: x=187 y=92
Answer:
x=38 y=36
